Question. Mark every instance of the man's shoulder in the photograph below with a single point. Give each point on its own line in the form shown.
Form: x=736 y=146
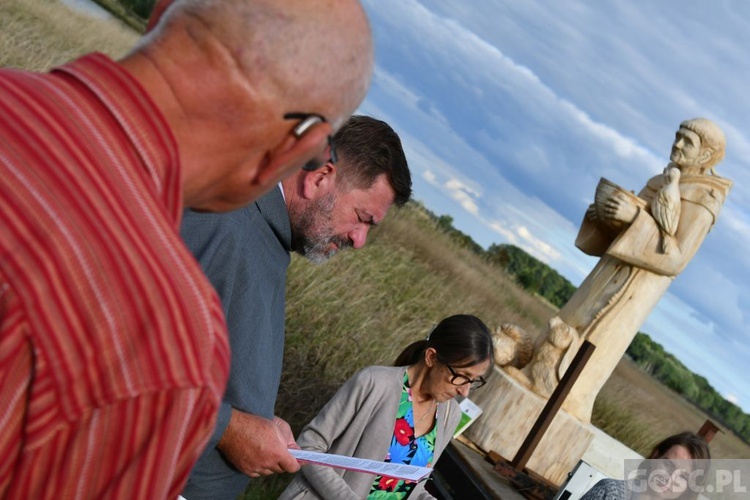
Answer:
x=228 y=220
x=198 y=227
x=244 y=224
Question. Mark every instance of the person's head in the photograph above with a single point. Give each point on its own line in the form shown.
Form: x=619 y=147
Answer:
x=457 y=356
x=699 y=145
x=236 y=78
x=677 y=467
x=691 y=444
x=333 y=207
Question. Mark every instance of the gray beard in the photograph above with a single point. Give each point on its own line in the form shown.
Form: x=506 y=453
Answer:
x=320 y=252
x=312 y=231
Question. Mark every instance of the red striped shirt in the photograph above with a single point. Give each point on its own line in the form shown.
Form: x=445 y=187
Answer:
x=113 y=350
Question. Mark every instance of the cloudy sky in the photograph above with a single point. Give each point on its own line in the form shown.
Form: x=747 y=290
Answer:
x=510 y=112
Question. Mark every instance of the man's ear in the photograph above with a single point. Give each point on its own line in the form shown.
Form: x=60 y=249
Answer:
x=293 y=153
x=157 y=12
x=320 y=181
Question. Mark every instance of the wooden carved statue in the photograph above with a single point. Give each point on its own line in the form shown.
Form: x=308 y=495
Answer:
x=512 y=346
x=550 y=359
x=644 y=241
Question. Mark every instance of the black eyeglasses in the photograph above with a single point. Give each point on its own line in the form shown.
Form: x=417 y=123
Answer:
x=307 y=121
x=458 y=379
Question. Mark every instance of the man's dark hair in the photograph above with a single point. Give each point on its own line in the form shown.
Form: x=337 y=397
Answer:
x=368 y=148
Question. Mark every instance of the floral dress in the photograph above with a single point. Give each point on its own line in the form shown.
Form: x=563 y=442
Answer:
x=405 y=449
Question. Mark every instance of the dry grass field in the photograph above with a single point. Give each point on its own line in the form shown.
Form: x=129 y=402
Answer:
x=363 y=307
x=39 y=34
x=634 y=397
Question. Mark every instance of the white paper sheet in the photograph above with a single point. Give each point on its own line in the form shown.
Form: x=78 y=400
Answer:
x=400 y=471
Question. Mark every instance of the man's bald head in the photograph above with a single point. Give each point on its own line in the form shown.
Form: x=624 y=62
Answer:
x=236 y=79
x=316 y=56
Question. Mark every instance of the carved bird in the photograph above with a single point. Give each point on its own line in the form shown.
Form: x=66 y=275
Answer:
x=666 y=207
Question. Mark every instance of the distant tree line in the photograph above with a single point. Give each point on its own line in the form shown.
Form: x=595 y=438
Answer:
x=445 y=223
x=141 y=8
x=134 y=13
x=652 y=358
x=532 y=274
x=537 y=277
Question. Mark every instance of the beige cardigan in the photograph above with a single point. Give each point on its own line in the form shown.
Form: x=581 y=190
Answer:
x=358 y=421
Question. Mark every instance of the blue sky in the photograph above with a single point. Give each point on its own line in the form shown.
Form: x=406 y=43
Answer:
x=510 y=112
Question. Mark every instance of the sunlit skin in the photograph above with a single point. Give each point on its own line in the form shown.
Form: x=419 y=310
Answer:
x=338 y=220
x=443 y=390
x=359 y=210
x=430 y=380
x=243 y=134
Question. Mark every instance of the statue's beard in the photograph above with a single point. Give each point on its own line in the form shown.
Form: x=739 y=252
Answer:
x=678 y=158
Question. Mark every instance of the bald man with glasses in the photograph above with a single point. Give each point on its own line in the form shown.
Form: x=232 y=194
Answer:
x=113 y=346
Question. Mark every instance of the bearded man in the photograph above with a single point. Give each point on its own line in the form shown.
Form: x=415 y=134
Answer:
x=245 y=254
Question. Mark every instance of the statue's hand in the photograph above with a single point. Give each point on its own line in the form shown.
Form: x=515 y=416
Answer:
x=618 y=208
x=591 y=213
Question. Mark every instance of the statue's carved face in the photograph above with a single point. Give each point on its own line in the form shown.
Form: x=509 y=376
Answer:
x=686 y=148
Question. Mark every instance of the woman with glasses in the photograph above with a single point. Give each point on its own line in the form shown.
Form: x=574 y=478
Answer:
x=403 y=414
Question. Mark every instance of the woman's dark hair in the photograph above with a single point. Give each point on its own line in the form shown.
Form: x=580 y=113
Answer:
x=461 y=340
x=695 y=444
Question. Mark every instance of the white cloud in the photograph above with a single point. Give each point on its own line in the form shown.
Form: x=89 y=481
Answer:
x=466 y=201
x=465 y=195
x=396 y=88
x=538 y=245
x=732 y=398
x=430 y=177
x=500 y=229
x=457 y=185
x=622 y=146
